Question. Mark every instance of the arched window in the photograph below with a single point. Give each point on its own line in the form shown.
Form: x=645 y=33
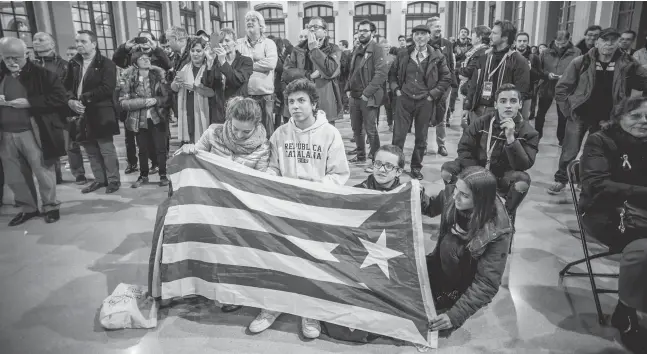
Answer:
x=324 y=12
x=418 y=13
x=188 y=16
x=96 y=16
x=374 y=13
x=17 y=20
x=149 y=17
x=274 y=21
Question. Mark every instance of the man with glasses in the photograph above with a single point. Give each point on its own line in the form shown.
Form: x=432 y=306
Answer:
x=590 y=36
x=588 y=90
x=31 y=133
x=552 y=64
x=318 y=59
x=365 y=90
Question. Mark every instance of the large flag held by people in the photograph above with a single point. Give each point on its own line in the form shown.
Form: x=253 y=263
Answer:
x=348 y=256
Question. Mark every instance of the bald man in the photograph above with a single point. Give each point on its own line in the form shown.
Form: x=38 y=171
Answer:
x=31 y=130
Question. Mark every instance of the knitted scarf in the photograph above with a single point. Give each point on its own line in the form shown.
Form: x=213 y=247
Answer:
x=471 y=52
x=242 y=147
x=200 y=107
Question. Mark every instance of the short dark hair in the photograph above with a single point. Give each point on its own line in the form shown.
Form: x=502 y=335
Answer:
x=540 y=44
x=506 y=88
x=344 y=43
x=367 y=22
x=92 y=35
x=464 y=28
x=302 y=85
x=163 y=39
x=593 y=28
x=483 y=32
x=632 y=33
x=523 y=34
x=563 y=34
x=402 y=36
x=393 y=51
x=395 y=150
x=323 y=22
x=508 y=30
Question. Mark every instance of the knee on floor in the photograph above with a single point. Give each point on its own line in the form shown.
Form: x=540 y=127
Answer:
x=521 y=187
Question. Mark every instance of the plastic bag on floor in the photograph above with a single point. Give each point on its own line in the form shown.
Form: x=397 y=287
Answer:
x=127 y=307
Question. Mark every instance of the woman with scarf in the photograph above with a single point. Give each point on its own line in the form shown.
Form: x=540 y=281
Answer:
x=145 y=98
x=195 y=84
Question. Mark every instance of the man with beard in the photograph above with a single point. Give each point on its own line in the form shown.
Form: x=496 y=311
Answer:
x=553 y=63
x=588 y=91
x=461 y=47
x=365 y=91
x=437 y=123
x=419 y=77
x=46 y=56
x=318 y=60
x=522 y=46
x=590 y=36
x=263 y=52
x=501 y=65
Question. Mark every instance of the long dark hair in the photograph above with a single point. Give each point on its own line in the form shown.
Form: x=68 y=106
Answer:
x=482 y=183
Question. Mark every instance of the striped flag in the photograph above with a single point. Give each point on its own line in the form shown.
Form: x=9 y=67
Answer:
x=343 y=255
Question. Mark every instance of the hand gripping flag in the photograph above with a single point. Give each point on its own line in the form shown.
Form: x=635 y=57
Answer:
x=347 y=256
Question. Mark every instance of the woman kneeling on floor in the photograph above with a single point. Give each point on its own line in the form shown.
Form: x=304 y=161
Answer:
x=613 y=171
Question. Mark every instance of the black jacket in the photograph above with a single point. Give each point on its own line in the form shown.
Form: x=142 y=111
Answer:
x=438 y=78
x=122 y=58
x=447 y=48
x=236 y=76
x=47 y=98
x=581 y=45
x=53 y=63
x=460 y=48
x=607 y=180
x=518 y=156
x=371 y=183
x=516 y=72
x=535 y=65
x=98 y=95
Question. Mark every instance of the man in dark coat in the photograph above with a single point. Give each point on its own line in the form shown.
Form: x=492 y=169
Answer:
x=46 y=56
x=31 y=128
x=522 y=45
x=90 y=84
x=437 y=123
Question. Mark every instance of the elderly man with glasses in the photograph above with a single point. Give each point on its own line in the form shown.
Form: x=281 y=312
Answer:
x=318 y=59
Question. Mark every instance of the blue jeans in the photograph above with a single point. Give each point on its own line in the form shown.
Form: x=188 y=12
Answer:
x=573 y=135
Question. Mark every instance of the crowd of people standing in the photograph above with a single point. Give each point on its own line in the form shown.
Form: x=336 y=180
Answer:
x=273 y=107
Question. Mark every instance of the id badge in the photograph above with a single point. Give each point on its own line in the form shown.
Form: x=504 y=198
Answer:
x=487 y=90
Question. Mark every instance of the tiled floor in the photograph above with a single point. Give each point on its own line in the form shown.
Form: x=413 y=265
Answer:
x=54 y=277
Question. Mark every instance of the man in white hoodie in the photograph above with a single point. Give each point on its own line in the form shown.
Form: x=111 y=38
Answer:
x=309 y=148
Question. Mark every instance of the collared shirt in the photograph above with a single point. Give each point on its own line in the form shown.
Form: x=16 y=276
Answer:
x=424 y=54
x=265 y=56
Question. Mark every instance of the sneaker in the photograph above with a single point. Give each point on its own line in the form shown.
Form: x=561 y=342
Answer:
x=154 y=170
x=369 y=168
x=230 y=308
x=112 y=187
x=311 y=328
x=357 y=159
x=415 y=173
x=131 y=169
x=263 y=321
x=556 y=188
x=442 y=151
x=138 y=183
x=163 y=181
x=81 y=180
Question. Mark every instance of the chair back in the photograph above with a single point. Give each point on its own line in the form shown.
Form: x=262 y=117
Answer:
x=573 y=173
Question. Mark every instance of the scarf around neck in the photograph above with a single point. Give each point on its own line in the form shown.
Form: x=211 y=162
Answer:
x=243 y=147
x=471 y=52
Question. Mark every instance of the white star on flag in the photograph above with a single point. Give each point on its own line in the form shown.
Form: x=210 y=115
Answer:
x=379 y=254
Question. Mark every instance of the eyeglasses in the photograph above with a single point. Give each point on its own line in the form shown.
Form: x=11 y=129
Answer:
x=316 y=27
x=387 y=166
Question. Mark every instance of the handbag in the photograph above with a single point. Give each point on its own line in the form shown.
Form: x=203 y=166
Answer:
x=632 y=218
